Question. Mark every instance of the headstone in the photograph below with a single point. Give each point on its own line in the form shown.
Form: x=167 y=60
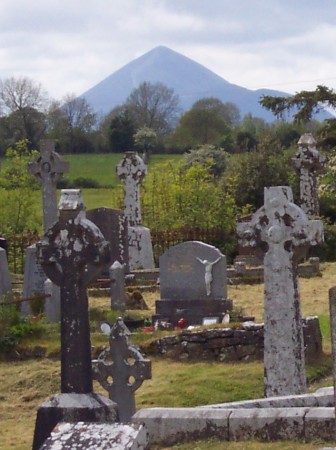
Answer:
x=128 y=370
x=284 y=232
x=113 y=224
x=308 y=162
x=193 y=283
x=5 y=281
x=131 y=170
x=72 y=254
x=48 y=169
x=332 y=309
x=52 y=308
x=118 y=294
x=34 y=278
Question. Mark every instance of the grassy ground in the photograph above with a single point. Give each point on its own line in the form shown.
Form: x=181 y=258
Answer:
x=101 y=167
x=25 y=384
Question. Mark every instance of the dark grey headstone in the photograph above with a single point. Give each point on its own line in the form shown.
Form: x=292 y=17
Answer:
x=193 y=271
x=113 y=225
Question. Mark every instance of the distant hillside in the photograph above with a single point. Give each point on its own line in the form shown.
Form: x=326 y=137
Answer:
x=190 y=80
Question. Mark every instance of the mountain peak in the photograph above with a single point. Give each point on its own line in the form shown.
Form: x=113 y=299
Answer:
x=190 y=80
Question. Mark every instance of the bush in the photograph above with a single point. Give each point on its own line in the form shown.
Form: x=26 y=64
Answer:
x=13 y=329
x=78 y=183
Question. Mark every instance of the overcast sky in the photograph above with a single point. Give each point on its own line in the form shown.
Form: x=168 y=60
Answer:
x=71 y=45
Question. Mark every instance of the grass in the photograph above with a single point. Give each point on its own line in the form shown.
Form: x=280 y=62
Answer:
x=26 y=384
x=101 y=167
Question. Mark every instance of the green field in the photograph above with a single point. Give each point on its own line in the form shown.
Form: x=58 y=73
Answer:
x=101 y=167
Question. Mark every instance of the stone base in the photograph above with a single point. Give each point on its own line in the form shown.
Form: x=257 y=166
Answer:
x=140 y=250
x=192 y=311
x=71 y=408
x=97 y=436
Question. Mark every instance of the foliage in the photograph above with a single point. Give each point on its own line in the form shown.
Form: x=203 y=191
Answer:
x=121 y=134
x=175 y=197
x=24 y=101
x=229 y=112
x=214 y=157
x=153 y=105
x=253 y=171
x=13 y=329
x=16 y=188
x=305 y=103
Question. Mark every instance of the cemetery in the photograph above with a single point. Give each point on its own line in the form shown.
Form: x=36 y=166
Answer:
x=110 y=340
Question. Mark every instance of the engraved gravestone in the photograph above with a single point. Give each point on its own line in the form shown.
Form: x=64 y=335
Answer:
x=131 y=170
x=73 y=252
x=117 y=292
x=113 y=224
x=308 y=162
x=127 y=372
x=193 y=283
x=284 y=232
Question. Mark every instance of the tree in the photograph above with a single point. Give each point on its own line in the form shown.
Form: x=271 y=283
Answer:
x=214 y=158
x=16 y=191
x=145 y=140
x=305 y=104
x=155 y=106
x=229 y=112
x=72 y=123
x=121 y=134
x=24 y=102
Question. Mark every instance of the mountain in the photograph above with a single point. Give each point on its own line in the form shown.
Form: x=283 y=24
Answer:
x=189 y=79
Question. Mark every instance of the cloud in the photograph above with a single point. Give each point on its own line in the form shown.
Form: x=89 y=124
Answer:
x=71 y=46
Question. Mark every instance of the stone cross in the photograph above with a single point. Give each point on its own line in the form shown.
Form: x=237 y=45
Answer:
x=131 y=170
x=332 y=310
x=125 y=374
x=284 y=232
x=72 y=254
x=48 y=168
x=308 y=162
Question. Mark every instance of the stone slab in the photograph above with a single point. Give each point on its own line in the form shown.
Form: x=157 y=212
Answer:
x=170 y=426
x=71 y=408
x=34 y=278
x=97 y=436
x=192 y=312
x=5 y=281
x=320 y=424
x=269 y=424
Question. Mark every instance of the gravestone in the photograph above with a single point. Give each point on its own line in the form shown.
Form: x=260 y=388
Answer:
x=308 y=162
x=283 y=231
x=128 y=370
x=117 y=293
x=332 y=310
x=47 y=168
x=193 y=284
x=72 y=253
x=131 y=170
x=113 y=224
x=5 y=281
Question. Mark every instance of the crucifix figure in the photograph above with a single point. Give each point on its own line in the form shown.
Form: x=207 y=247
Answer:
x=208 y=272
x=131 y=170
x=308 y=162
x=283 y=231
x=48 y=168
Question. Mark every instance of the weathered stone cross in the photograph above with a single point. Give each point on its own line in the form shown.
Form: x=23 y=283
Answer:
x=308 y=162
x=72 y=254
x=284 y=232
x=131 y=170
x=48 y=168
x=125 y=374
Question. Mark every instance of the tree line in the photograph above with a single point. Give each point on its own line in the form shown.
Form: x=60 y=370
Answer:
x=150 y=120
